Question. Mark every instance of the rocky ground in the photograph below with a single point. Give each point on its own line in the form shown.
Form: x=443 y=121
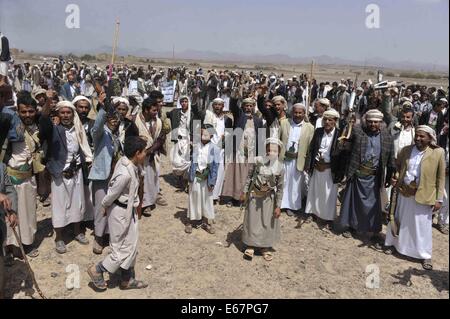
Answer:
x=308 y=263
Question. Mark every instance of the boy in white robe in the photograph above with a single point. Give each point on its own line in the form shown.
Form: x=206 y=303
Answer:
x=202 y=179
x=120 y=205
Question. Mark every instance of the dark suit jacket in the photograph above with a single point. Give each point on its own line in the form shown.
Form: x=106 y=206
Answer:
x=440 y=121
x=359 y=143
x=66 y=93
x=269 y=115
x=175 y=118
x=55 y=136
x=337 y=160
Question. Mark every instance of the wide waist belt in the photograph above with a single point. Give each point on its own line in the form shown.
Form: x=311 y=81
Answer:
x=260 y=194
x=321 y=166
x=18 y=176
x=366 y=171
x=70 y=172
x=202 y=175
x=289 y=156
x=408 y=190
x=120 y=204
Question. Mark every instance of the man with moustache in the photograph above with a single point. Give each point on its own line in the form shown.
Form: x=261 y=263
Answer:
x=371 y=164
x=326 y=167
x=421 y=183
x=23 y=160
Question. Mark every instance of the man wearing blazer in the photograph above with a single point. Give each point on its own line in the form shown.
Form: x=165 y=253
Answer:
x=70 y=89
x=326 y=166
x=421 y=184
x=371 y=158
x=296 y=135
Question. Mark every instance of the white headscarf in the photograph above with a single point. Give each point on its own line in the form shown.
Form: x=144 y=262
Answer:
x=430 y=131
x=79 y=130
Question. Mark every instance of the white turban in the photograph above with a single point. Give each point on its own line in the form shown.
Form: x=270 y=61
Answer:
x=79 y=129
x=249 y=101
x=300 y=105
x=81 y=98
x=331 y=113
x=218 y=101
x=120 y=100
x=281 y=99
x=374 y=115
x=430 y=131
x=324 y=101
x=275 y=141
x=416 y=93
x=407 y=103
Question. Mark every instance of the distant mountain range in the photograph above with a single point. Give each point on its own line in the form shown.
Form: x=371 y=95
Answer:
x=273 y=58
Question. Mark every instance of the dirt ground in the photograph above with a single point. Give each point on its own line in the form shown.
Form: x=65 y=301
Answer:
x=308 y=262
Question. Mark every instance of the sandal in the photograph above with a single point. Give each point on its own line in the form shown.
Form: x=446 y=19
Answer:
x=442 y=228
x=209 y=228
x=97 y=278
x=389 y=250
x=249 y=253
x=347 y=234
x=133 y=284
x=427 y=264
x=33 y=253
x=188 y=229
x=267 y=255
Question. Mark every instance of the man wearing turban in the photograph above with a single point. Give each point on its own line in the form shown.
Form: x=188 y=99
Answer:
x=371 y=164
x=421 y=183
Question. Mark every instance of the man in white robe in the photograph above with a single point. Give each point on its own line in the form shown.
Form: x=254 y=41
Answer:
x=68 y=149
x=23 y=164
x=421 y=183
x=327 y=170
x=296 y=135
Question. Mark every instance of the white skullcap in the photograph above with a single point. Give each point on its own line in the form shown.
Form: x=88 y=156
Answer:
x=416 y=93
x=374 y=115
x=360 y=89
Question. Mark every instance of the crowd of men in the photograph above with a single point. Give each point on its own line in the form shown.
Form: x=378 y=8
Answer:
x=89 y=142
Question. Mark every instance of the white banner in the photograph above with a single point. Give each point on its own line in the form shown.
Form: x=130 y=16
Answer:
x=168 y=90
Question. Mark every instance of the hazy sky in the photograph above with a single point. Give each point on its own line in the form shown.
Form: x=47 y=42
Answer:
x=415 y=30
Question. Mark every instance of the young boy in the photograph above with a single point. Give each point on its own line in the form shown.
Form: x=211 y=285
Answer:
x=262 y=196
x=119 y=205
x=202 y=179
